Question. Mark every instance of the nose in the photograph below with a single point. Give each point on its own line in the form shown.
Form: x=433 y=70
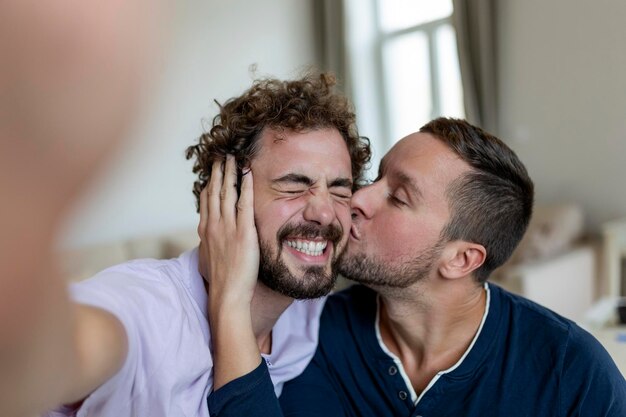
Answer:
x=320 y=209
x=364 y=203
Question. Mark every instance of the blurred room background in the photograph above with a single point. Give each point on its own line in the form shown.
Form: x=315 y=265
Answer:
x=548 y=77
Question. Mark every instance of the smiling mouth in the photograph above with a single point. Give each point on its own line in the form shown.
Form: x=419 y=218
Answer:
x=308 y=247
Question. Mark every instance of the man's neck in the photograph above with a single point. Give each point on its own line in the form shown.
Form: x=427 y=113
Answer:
x=266 y=307
x=430 y=333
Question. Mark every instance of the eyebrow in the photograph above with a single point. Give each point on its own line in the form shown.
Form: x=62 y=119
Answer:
x=408 y=182
x=403 y=179
x=304 y=180
x=293 y=178
x=341 y=182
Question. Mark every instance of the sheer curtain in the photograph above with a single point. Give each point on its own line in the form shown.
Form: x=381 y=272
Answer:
x=347 y=38
x=331 y=25
x=475 y=25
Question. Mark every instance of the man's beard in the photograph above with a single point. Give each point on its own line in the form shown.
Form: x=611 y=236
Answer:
x=403 y=273
x=315 y=281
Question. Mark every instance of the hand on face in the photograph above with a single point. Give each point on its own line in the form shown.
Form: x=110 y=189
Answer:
x=229 y=248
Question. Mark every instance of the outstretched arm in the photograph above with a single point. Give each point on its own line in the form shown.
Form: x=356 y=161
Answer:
x=69 y=81
x=64 y=353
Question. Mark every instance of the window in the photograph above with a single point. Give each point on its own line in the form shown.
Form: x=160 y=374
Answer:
x=419 y=67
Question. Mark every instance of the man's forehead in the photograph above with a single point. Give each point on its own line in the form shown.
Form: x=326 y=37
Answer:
x=422 y=155
x=314 y=154
x=288 y=140
x=276 y=135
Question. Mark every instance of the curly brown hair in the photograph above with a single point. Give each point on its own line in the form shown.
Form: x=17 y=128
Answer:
x=305 y=104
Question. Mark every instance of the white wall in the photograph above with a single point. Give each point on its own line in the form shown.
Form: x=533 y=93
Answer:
x=563 y=99
x=147 y=189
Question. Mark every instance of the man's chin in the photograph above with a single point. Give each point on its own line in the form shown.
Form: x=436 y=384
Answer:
x=301 y=288
x=361 y=269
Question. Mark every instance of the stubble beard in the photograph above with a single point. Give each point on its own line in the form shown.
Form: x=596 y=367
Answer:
x=313 y=281
x=375 y=272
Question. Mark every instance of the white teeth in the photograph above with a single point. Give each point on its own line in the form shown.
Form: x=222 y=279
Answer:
x=310 y=248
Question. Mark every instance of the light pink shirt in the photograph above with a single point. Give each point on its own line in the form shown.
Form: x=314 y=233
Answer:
x=168 y=370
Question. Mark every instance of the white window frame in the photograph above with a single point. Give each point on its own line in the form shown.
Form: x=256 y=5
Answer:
x=365 y=42
x=429 y=30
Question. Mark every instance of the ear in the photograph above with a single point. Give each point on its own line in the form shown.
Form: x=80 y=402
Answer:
x=461 y=258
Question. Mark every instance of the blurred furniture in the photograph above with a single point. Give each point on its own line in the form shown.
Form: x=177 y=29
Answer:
x=553 y=265
x=614 y=240
x=82 y=263
x=564 y=283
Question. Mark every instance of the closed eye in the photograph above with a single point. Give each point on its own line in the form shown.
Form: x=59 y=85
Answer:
x=396 y=201
x=343 y=195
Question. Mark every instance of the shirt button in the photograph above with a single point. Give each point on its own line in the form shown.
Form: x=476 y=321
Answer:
x=402 y=395
x=393 y=370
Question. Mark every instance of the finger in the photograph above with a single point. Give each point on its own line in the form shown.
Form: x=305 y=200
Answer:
x=215 y=185
x=204 y=212
x=245 y=205
x=228 y=193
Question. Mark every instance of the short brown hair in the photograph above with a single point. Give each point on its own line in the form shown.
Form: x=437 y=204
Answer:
x=492 y=204
x=305 y=104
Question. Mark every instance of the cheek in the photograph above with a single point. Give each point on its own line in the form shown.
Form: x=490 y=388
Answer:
x=398 y=237
x=344 y=217
x=395 y=236
x=271 y=216
x=389 y=237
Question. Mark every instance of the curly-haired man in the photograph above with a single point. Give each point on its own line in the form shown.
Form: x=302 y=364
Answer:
x=299 y=140
x=267 y=129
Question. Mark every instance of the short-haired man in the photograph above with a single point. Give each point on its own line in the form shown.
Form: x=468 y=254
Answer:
x=427 y=335
x=144 y=325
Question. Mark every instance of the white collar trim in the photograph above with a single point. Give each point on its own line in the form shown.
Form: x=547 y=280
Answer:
x=398 y=362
